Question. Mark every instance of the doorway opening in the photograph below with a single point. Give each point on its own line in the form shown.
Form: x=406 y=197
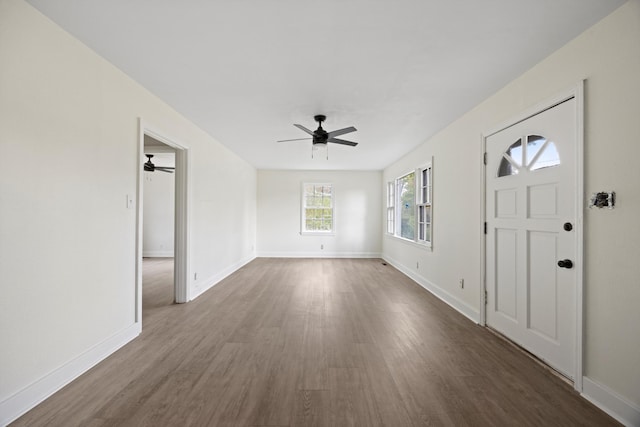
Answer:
x=158 y=225
x=162 y=220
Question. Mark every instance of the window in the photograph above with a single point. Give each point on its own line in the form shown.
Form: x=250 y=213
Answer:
x=424 y=206
x=539 y=153
x=391 y=214
x=406 y=187
x=317 y=208
x=410 y=206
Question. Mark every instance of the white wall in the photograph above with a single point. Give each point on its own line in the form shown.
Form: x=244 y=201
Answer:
x=69 y=157
x=159 y=211
x=608 y=57
x=358 y=223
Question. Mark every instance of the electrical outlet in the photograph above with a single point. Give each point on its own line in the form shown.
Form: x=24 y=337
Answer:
x=417 y=265
x=195 y=276
x=461 y=283
x=321 y=247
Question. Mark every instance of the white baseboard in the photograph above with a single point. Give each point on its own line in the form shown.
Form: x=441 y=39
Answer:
x=461 y=306
x=204 y=285
x=320 y=254
x=30 y=396
x=625 y=412
x=157 y=254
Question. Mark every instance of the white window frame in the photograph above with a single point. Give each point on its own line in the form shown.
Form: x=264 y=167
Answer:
x=424 y=202
x=303 y=207
x=421 y=203
x=391 y=210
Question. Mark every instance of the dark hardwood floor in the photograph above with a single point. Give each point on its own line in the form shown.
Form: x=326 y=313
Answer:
x=312 y=342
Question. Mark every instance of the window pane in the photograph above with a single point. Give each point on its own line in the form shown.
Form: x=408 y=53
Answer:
x=406 y=193
x=317 y=209
x=534 y=144
x=515 y=152
x=549 y=157
x=506 y=168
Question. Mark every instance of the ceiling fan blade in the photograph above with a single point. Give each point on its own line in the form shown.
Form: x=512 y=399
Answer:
x=296 y=139
x=342 y=141
x=342 y=131
x=304 y=129
x=164 y=170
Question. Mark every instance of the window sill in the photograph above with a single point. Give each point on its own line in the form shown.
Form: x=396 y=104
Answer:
x=425 y=246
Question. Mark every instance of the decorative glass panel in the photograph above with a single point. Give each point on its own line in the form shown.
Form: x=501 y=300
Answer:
x=506 y=168
x=515 y=152
x=539 y=153
x=549 y=157
x=534 y=144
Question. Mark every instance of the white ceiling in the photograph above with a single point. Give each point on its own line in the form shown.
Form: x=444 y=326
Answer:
x=399 y=71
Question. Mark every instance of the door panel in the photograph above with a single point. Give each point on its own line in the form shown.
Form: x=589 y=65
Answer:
x=543 y=284
x=506 y=274
x=543 y=201
x=506 y=203
x=530 y=189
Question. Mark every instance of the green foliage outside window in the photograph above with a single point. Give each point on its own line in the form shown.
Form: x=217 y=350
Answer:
x=407 y=195
x=318 y=208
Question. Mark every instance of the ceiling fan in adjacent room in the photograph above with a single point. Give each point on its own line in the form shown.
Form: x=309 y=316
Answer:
x=321 y=137
x=150 y=167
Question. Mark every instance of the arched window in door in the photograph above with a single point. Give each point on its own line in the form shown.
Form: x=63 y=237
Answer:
x=537 y=153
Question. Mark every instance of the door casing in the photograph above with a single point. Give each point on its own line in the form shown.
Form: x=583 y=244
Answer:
x=181 y=233
x=577 y=92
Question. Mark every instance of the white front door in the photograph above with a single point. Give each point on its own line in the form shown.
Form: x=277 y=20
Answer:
x=531 y=240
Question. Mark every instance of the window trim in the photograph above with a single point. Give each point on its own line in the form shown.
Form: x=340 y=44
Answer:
x=418 y=202
x=303 y=205
x=391 y=208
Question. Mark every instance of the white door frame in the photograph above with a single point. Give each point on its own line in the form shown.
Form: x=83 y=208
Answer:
x=577 y=92
x=181 y=233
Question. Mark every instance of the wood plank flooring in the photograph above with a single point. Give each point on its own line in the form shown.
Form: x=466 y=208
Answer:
x=312 y=342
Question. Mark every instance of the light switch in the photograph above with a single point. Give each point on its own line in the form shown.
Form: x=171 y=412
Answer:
x=129 y=201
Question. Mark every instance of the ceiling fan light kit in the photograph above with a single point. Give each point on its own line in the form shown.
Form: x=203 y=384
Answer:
x=321 y=137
